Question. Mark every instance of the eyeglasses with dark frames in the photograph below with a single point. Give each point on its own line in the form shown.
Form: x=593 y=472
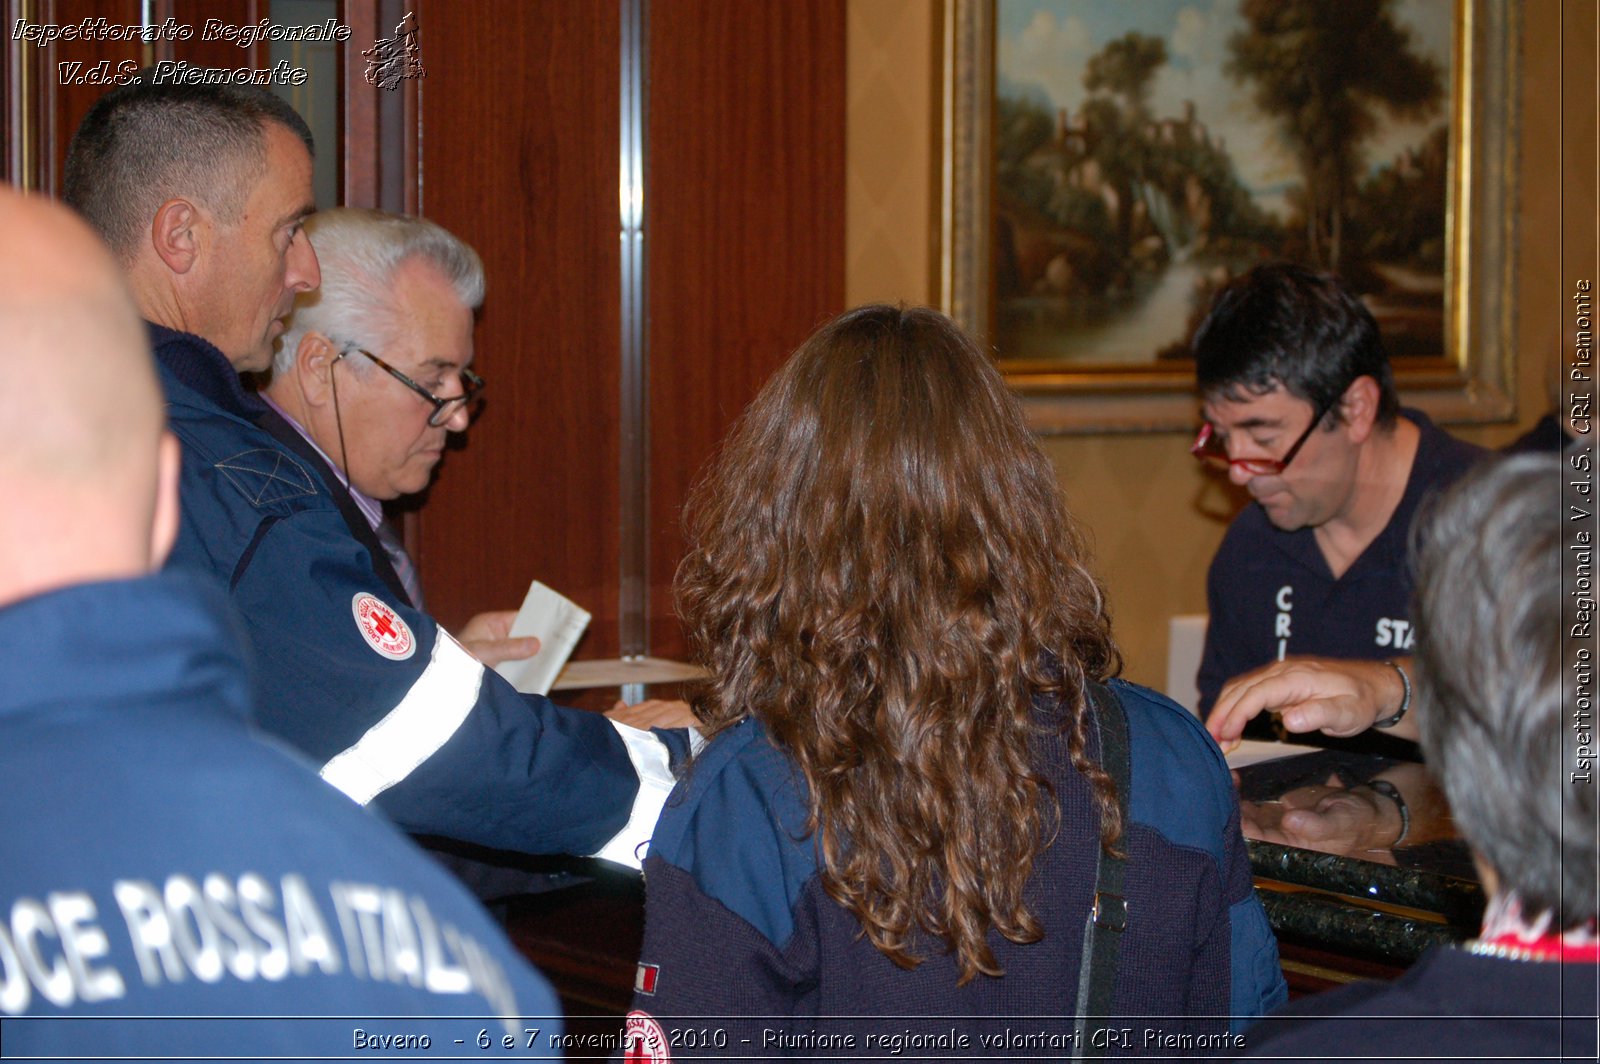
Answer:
x=443 y=409
x=1208 y=447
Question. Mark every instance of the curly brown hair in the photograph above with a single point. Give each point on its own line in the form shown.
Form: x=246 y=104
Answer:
x=882 y=571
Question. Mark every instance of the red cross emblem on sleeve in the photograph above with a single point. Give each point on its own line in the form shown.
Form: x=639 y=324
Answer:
x=644 y=1040
x=383 y=629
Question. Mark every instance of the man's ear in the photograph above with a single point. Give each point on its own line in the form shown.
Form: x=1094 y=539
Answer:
x=313 y=368
x=1358 y=408
x=175 y=234
x=164 y=524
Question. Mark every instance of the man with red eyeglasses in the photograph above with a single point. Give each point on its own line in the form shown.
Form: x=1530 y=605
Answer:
x=1310 y=592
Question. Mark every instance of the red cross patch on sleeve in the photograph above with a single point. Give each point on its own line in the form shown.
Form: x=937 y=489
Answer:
x=382 y=627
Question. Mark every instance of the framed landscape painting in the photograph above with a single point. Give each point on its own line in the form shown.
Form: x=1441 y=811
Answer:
x=1110 y=165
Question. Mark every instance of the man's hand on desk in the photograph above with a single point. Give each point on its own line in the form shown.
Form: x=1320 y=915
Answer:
x=1312 y=694
x=487 y=637
x=654 y=713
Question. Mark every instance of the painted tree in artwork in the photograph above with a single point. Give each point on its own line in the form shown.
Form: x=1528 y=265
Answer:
x=1125 y=68
x=1118 y=78
x=1323 y=71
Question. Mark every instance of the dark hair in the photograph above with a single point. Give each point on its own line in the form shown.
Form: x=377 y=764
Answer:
x=146 y=142
x=1282 y=324
x=1492 y=663
x=882 y=571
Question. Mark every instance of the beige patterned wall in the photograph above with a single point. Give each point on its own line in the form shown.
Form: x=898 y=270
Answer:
x=891 y=243
x=1155 y=520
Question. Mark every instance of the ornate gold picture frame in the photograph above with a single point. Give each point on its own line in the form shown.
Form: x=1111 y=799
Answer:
x=1468 y=379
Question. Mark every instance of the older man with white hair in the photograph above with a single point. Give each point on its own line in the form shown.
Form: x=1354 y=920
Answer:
x=373 y=371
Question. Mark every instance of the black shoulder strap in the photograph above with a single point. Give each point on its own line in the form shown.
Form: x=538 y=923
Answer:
x=1108 y=918
x=271 y=422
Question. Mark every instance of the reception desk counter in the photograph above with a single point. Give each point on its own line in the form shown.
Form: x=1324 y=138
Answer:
x=1357 y=862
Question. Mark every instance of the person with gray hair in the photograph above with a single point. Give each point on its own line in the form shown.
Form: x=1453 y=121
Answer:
x=1498 y=647
x=167 y=174
x=204 y=191
x=393 y=318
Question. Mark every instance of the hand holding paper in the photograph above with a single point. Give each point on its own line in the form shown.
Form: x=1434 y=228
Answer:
x=558 y=623
x=488 y=638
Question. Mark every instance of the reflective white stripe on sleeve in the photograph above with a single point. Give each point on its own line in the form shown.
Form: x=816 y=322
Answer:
x=410 y=732
x=649 y=757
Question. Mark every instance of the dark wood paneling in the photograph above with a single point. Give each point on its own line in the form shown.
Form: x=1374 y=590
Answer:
x=745 y=227
x=745 y=248
x=518 y=156
x=55 y=95
x=220 y=52
x=50 y=94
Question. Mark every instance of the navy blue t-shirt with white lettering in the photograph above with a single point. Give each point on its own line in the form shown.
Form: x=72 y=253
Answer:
x=1271 y=594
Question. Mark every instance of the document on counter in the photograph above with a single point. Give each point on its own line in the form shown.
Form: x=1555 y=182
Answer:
x=1255 y=751
x=559 y=623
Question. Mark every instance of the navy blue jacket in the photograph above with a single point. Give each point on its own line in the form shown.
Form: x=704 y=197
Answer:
x=1450 y=1005
x=741 y=938
x=1271 y=593
x=160 y=858
x=388 y=705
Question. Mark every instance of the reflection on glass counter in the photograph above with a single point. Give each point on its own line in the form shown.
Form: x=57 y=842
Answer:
x=1356 y=854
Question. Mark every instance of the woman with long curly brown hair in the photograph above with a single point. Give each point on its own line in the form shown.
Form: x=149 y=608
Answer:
x=900 y=807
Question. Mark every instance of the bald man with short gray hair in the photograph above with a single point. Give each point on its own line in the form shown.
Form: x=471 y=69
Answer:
x=90 y=473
